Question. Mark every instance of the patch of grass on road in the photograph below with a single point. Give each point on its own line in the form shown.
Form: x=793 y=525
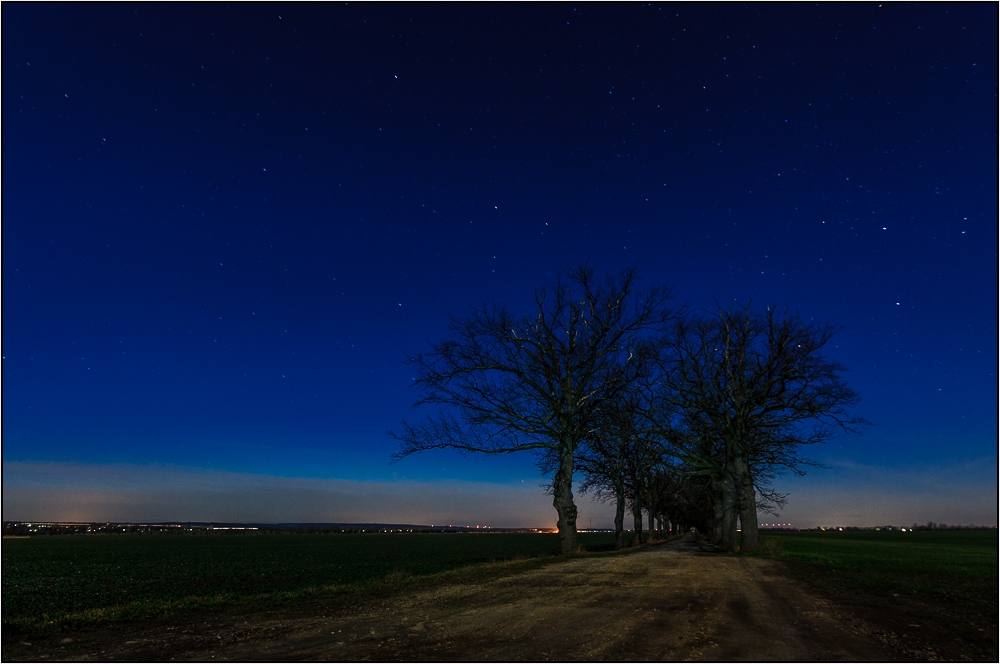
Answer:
x=65 y=580
x=935 y=589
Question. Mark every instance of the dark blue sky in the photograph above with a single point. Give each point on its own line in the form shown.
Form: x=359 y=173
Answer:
x=223 y=226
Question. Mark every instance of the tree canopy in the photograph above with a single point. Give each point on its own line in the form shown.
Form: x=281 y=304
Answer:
x=537 y=382
x=689 y=418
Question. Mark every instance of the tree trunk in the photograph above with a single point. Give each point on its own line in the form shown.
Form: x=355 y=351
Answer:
x=718 y=512
x=620 y=514
x=652 y=500
x=637 y=520
x=747 y=497
x=562 y=492
x=729 y=510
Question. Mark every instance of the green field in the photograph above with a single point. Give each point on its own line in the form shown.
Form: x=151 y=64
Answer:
x=88 y=578
x=935 y=588
x=950 y=565
x=936 y=591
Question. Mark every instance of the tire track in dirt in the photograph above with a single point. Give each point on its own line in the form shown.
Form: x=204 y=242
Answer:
x=669 y=602
x=674 y=601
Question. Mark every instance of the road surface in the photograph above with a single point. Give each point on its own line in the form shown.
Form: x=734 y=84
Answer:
x=674 y=601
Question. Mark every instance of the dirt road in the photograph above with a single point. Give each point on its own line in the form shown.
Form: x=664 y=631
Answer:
x=669 y=602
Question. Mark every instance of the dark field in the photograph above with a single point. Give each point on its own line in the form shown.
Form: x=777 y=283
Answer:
x=84 y=579
x=926 y=595
x=932 y=591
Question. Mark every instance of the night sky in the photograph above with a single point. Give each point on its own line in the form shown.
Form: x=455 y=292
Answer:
x=225 y=226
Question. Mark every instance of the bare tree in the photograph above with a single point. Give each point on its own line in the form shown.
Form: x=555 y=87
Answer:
x=602 y=461
x=753 y=387
x=642 y=454
x=616 y=456
x=508 y=383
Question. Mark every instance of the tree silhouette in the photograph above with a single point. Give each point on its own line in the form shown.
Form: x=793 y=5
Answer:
x=507 y=383
x=751 y=388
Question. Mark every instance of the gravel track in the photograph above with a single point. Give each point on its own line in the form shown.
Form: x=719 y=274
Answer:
x=673 y=601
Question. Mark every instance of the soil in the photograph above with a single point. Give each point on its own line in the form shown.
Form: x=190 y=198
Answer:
x=673 y=601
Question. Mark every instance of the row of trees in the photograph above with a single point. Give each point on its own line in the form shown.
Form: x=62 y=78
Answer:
x=685 y=416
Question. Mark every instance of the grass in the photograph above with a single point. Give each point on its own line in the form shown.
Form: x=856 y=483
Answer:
x=959 y=566
x=73 y=580
x=935 y=590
